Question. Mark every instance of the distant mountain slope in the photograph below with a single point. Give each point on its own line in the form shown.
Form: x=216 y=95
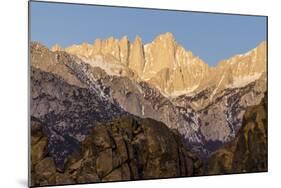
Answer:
x=63 y=105
x=166 y=65
x=66 y=111
x=248 y=151
x=221 y=119
x=45 y=60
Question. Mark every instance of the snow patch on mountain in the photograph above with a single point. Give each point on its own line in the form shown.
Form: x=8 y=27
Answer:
x=241 y=81
x=112 y=69
x=186 y=91
x=215 y=90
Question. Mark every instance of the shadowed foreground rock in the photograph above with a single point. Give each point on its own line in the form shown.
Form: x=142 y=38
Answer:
x=248 y=152
x=128 y=148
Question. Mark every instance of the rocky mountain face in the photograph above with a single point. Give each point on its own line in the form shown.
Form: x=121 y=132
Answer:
x=136 y=97
x=73 y=107
x=167 y=66
x=221 y=119
x=163 y=81
x=144 y=108
x=163 y=63
x=62 y=103
x=128 y=148
x=248 y=151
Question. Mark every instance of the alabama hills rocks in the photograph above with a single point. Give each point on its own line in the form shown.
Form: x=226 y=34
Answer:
x=128 y=148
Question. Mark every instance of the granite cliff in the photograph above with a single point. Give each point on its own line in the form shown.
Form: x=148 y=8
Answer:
x=166 y=65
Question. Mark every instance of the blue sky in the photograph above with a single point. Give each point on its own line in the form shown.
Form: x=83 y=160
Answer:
x=212 y=37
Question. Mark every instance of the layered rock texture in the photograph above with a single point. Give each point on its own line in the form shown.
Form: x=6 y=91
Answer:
x=120 y=110
x=125 y=149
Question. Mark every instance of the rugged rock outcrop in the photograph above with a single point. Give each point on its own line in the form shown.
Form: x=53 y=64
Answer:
x=128 y=148
x=172 y=69
x=136 y=57
x=248 y=151
x=166 y=65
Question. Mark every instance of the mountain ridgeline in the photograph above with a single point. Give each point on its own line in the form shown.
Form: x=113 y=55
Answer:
x=166 y=65
x=118 y=101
